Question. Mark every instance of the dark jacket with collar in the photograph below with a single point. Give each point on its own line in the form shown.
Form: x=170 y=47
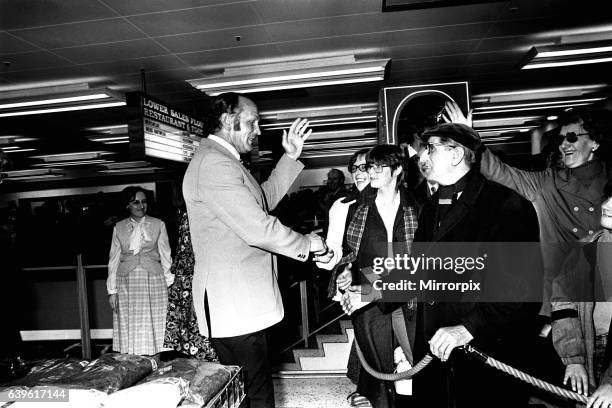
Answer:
x=567 y=201
x=485 y=212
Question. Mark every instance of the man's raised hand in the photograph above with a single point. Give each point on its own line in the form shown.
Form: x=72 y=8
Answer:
x=293 y=141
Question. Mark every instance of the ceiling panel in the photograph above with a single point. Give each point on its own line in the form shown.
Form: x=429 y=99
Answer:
x=112 y=52
x=32 y=61
x=432 y=36
x=150 y=6
x=9 y=44
x=277 y=10
x=428 y=63
x=381 y=22
x=159 y=63
x=69 y=35
x=511 y=57
x=199 y=19
x=427 y=50
x=369 y=45
x=53 y=76
x=36 y=13
x=397 y=31
x=215 y=39
x=516 y=43
x=425 y=76
x=522 y=27
x=220 y=59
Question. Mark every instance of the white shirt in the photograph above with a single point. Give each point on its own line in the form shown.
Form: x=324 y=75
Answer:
x=335 y=231
x=225 y=144
x=388 y=213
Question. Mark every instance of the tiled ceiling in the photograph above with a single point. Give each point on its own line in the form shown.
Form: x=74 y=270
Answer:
x=108 y=42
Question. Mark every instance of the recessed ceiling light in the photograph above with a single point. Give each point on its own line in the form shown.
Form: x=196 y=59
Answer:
x=552 y=117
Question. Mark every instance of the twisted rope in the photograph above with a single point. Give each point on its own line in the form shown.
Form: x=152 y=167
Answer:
x=536 y=382
x=529 y=379
x=392 y=376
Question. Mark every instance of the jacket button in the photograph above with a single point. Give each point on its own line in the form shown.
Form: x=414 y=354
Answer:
x=576 y=208
x=575 y=229
x=591 y=209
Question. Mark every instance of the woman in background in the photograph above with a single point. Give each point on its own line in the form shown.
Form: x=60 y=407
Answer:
x=182 y=332
x=138 y=277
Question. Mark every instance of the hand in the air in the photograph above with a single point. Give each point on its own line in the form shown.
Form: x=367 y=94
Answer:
x=453 y=114
x=293 y=142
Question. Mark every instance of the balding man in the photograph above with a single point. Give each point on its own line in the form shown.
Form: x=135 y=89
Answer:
x=235 y=291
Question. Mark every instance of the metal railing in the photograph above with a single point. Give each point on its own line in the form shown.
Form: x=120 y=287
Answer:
x=305 y=322
x=83 y=303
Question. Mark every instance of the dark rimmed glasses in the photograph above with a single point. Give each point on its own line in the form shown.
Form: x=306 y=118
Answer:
x=378 y=168
x=361 y=167
x=432 y=146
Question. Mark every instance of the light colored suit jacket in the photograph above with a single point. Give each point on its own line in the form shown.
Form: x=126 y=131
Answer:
x=233 y=240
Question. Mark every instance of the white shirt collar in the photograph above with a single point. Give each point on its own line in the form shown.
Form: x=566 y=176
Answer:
x=225 y=144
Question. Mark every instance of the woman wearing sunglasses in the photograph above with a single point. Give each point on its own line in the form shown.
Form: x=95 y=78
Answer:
x=567 y=200
x=138 y=277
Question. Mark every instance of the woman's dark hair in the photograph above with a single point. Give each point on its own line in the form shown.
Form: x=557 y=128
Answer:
x=389 y=155
x=353 y=159
x=228 y=102
x=598 y=122
x=129 y=194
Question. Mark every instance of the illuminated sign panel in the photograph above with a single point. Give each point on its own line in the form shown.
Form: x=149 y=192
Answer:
x=158 y=130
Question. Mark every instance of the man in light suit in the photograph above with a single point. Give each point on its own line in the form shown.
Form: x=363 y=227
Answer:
x=235 y=291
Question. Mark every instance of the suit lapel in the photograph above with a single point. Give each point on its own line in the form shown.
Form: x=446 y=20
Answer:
x=253 y=185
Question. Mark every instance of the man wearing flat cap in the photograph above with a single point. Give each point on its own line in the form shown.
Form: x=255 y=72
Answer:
x=467 y=208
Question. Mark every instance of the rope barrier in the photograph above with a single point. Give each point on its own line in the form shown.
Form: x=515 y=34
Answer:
x=536 y=382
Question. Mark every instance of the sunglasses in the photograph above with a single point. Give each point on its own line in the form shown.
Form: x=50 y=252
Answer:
x=361 y=167
x=571 y=137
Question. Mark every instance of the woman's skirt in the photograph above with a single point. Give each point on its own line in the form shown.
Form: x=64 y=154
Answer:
x=140 y=321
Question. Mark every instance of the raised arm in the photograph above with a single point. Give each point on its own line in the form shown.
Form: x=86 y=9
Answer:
x=527 y=183
x=288 y=167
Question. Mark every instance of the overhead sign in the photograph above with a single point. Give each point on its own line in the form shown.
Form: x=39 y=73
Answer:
x=159 y=130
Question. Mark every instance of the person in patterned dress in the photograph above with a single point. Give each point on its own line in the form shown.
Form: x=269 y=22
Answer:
x=182 y=333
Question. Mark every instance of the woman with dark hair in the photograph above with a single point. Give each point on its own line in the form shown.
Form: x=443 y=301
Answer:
x=138 y=277
x=384 y=223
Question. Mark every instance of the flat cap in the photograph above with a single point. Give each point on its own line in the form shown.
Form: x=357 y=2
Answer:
x=458 y=132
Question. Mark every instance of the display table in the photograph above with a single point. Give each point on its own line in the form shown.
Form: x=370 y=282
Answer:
x=118 y=380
